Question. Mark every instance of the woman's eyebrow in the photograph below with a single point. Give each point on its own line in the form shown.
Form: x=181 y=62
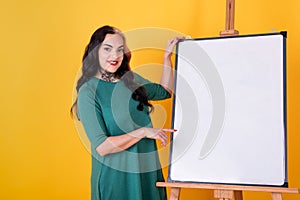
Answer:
x=108 y=45
x=112 y=46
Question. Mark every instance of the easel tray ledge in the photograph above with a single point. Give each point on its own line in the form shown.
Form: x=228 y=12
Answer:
x=229 y=187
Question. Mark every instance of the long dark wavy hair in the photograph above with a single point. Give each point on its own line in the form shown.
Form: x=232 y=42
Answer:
x=91 y=65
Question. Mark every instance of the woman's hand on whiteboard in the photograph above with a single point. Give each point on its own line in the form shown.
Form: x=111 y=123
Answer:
x=157 y=134
x=167 y=77
x=170 y=46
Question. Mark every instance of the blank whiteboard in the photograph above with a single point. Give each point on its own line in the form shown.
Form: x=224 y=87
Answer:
x=229 y=109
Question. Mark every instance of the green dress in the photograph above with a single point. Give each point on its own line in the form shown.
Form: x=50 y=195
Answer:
x=107 y=109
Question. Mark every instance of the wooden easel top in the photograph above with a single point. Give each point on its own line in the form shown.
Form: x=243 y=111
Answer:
x=229 y=25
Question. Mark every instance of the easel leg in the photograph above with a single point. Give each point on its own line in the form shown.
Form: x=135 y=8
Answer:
x=238 y=195
x=175 y=193
x=276 y=196
x=223 y=194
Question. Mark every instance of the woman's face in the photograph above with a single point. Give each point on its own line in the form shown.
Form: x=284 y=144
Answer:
x=111 y=53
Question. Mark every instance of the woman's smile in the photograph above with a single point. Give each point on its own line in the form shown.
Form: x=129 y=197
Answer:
x=113 y=62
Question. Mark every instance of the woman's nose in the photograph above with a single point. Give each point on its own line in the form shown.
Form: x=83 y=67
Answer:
x=114 y=54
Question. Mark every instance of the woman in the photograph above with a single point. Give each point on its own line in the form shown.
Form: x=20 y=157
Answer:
x=113 y=106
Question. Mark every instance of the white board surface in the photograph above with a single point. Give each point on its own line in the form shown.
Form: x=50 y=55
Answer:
x=229 y=110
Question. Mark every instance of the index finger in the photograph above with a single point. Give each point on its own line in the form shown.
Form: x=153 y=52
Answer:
x=169 y=130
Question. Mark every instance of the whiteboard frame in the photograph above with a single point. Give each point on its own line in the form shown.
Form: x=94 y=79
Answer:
x=284 y=36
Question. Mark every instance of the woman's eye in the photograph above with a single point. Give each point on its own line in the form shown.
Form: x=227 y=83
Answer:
x=121 y=50
x=106 y=49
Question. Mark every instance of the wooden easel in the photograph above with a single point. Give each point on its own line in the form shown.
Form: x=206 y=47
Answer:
x=227 y=192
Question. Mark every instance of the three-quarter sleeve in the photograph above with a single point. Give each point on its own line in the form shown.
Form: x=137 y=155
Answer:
x=90 y=115
x=154 y=91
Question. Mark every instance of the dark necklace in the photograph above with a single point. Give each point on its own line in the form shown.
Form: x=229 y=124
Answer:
x=107 y=76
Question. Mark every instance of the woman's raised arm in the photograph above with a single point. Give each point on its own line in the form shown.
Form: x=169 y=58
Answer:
x=167 y=78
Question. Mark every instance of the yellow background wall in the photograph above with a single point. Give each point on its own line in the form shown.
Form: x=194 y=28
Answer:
x=41 y=45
